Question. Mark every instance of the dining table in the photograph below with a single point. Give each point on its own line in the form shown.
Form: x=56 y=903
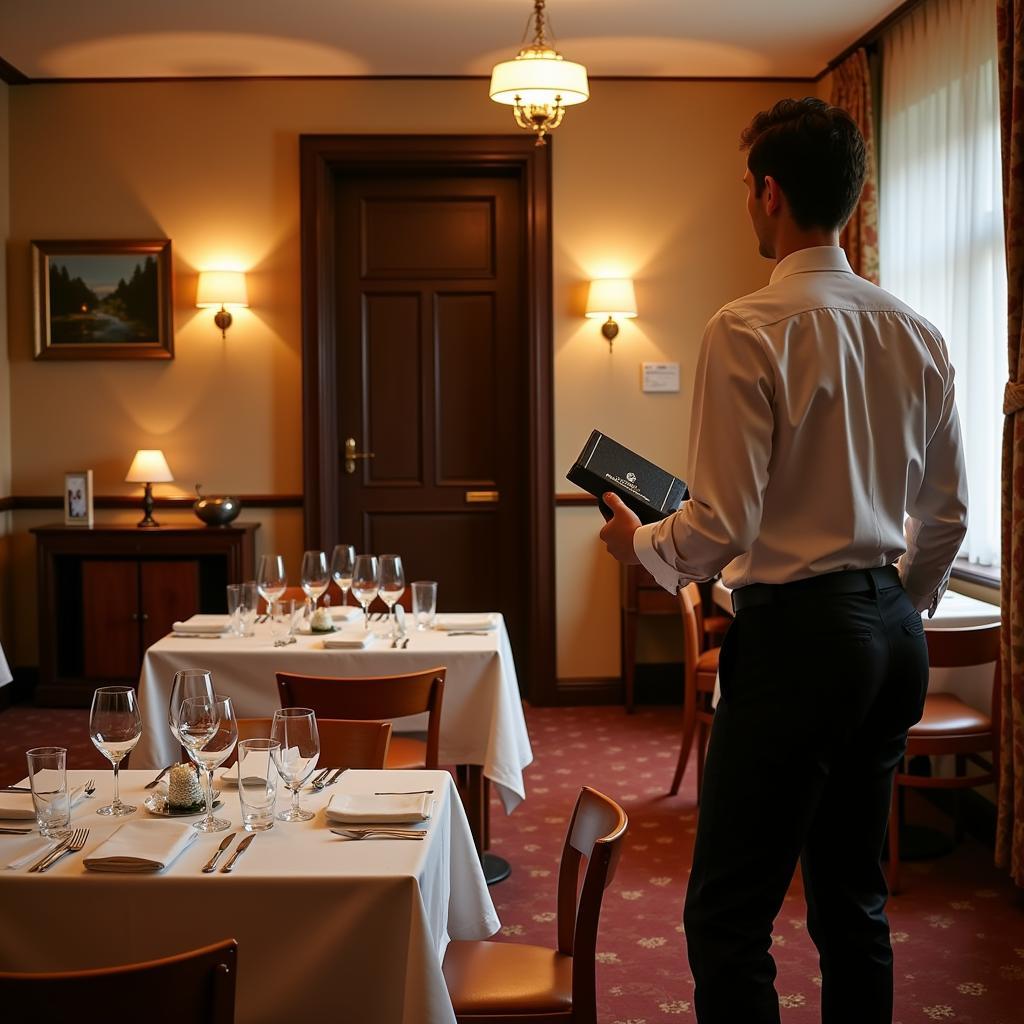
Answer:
x=328 y=928
x=5 y=670
x=482 y=721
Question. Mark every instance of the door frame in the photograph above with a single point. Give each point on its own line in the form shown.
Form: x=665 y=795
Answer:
x=322 y=157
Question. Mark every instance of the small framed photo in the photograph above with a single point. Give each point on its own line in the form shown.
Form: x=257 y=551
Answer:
x=78 y=498
x=103 y=299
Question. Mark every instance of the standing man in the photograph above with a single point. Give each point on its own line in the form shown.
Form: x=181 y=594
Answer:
x=823 y=418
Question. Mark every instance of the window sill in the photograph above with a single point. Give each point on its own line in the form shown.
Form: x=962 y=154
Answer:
x=980 y=575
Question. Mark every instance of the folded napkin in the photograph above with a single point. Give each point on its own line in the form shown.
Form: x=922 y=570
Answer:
x=140 y=846
x=349 y=640
x=365 y=807
x=467 y=620
x=346 y=612
x=204 y=624
x=19 y=805
x=27 y=849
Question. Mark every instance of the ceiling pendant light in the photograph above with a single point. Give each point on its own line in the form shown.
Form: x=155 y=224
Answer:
x=539 y=84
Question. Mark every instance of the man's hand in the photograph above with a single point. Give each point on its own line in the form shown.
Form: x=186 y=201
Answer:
x=617 y=533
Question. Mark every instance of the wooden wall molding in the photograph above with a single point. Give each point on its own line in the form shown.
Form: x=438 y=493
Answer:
x=27 y=502
x=576 y=498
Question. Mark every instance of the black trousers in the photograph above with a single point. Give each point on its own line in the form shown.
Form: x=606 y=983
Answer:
x=818 y=693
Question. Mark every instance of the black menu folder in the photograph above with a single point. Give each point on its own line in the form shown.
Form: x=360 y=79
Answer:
x=605 y=465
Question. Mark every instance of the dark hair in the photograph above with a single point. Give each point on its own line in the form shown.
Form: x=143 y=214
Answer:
x=816 y=154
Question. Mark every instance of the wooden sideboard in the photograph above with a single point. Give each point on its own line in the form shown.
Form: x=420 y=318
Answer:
x=109 y=592
x=640 y=595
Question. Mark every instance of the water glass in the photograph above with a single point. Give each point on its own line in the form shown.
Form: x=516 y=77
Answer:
x=424 y=603
x=271 y=580
x=365 y=583
x=392 y=587
x=282 y=622
x=315 y=576
x=296 y=757
x=209 y=731
x=115 y=726
x=343 y=560
x=188 y=682
x=48 y=777
x=257 y=783
x=242 y=607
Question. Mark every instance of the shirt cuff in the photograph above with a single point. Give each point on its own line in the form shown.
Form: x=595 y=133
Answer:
x=643 y=545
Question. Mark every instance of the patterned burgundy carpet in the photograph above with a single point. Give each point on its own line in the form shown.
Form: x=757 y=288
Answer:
x=958 y=927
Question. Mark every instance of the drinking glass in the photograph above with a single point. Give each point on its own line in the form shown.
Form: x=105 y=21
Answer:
x=209 y=732
x=282 y=622
x=271 y=580
x=115 y=726
x=296 y=757
x=365 y=583
x=48 y=778
x=392 y=587
x=342 y=561
x=424 y=603
x=189 y=682
x=315 y=577
x=257 y=783
x=242 y=607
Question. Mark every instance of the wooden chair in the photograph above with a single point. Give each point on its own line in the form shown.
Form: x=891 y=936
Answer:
x=198 y=986
x=700 y=673
x=375 y=697
x=505 y=982
x=950 y=727
x=343 y=743
x=712 y=627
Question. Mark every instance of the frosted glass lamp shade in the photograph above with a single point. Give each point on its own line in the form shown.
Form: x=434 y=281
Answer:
x=149 y=467
x=539 y=77
x=221 y=288
x=612 y=297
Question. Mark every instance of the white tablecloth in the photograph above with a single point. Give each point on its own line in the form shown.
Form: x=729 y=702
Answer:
x=973 y=684
x=482 y=719
x=5 y=671
x=328 y=929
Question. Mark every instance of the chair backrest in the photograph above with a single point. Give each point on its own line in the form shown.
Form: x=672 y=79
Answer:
x=197 y=986
x=371 y=697
x=344 y=743
x=595 y=835
x=967 y=645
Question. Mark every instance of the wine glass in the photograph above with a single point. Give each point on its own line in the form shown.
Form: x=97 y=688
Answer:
x=296 y=757
x=209 y=732
x=315 y=577
x=115 y=726
x=271 y=580
x=342 y=560
x=365 y=583
x=189 y=682
x=392 y=587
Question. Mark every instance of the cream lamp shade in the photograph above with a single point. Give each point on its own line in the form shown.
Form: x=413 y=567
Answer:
x=612 y=297
x=149 y=467
x=221 y=288
x=536 y=78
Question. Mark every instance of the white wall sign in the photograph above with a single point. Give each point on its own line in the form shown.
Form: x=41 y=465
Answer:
x=660 y=376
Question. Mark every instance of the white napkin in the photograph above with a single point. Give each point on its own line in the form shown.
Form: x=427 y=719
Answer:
x=20 y=806
x=27 y=849
x=346 y=612
x=203 y=624
x=349 y=640
x=140 y=846
x=467 y=620
x=365 y=807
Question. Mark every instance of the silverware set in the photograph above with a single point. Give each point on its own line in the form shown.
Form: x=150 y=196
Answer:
x=241 y=848
x=468 y=632
x=384 y=833
x=400 y=643
x=89 y=788
x=211 y=865
x=403 y=792
x=321 y=780
x=72 y=843
x=15 y=831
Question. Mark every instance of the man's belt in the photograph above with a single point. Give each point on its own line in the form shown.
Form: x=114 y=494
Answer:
x=848 y=581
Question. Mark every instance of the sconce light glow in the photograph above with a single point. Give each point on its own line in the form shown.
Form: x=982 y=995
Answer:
x=611 y=298
x=222 y=288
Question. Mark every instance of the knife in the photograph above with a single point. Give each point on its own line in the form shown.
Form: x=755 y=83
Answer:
x=211 y=864
x=242 y=847
x=15 y=789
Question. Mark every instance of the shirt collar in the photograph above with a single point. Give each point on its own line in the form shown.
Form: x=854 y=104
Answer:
x=815 y=259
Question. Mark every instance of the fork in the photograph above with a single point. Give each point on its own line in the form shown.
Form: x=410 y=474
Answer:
x=163 y=772
x=90 y=787
x=321 y=779
x=78 y=839
x=363 y=833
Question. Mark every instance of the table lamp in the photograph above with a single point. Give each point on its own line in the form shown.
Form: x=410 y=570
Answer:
x=149 y=467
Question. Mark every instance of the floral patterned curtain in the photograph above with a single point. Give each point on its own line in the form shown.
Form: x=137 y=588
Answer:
x=851 y=90
x=1010 y=823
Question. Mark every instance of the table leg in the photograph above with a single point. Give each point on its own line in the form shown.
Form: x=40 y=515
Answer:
x=475 y=797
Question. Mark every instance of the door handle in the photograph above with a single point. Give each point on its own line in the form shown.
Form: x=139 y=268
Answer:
x=481 y=497
x=351 y=455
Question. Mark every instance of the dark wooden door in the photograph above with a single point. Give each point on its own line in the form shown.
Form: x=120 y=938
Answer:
x=432 y=379
x=110 y=620
x=170 y=593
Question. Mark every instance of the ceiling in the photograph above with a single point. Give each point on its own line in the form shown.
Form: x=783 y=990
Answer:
x=46 y=39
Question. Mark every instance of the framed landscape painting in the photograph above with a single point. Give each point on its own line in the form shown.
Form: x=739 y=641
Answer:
x=103 y=299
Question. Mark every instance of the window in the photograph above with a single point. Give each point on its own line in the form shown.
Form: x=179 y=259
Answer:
x=941 y=220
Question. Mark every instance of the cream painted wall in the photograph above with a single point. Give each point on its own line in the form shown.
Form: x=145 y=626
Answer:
x=646 y=183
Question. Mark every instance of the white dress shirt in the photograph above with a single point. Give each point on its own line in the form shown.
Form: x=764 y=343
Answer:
x=824 y=436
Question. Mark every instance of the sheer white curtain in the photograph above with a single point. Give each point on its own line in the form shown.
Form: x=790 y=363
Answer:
x=940 y=219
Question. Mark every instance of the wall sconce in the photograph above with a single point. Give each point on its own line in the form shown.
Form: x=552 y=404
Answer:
x=221 y=288
x=149 y=467
x=611 y=298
